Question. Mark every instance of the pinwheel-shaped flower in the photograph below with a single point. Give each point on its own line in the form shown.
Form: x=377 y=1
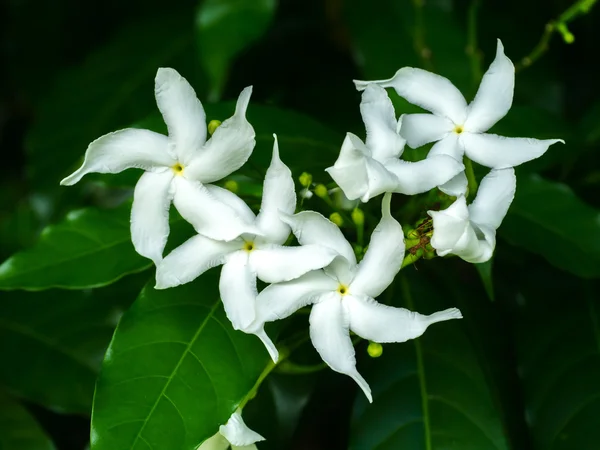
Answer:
x=365 y=170
x=470 y=231
x=460 y=129
x=249 y=256
x=235 y=434
x=343 y=294
x=176 y=166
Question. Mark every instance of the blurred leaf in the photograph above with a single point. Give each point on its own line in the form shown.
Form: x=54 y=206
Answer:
x=429 y=393
x=558 y=344
x=225 y=28
x=18 y=429
x=485 y=273
x=549 y=219
x=175 y=370
x=52 y=342
x=110 y=90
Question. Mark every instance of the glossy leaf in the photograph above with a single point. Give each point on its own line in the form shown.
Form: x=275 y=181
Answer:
x=428 y=393
x=549 y=219
x=54 y=341
x=558 y=348
x=175 y=370
x=225 y=28
x=18 y=429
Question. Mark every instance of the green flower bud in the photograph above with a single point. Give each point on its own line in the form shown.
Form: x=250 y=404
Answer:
x=232 y=186
x=337 y=219
x=213 y=125
x=305 y=179
x=321 y=191
x=374 y=349
x=358 y=217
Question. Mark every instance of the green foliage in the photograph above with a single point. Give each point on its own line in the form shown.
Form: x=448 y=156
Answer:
x=18 y=429
x=174 y=371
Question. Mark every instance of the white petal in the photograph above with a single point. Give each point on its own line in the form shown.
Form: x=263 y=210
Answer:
x=486 y=243
x=384 y=256
x=350 y=169
x=310 y=227
x=450 y=145
x=471 y=246
x=330 y=335
x=275 y=264
x=495 y=95
x=182 y=111
x=382 y=323
x=207 y=214
x=150 y=214
x=124 y=149
x=422 y=176
x=380 y=120
x=233 y=201
x=427 y=90
x=449 y=225
x=496 y=193
x=499 y=152
x=238 y=433
x=237 y=286
x=457 y=186
x=191 y=259
x=421 y=129
x=229 y=147
x=279 y=194
x=259 y=330
x=281 y=300
x=216 y=442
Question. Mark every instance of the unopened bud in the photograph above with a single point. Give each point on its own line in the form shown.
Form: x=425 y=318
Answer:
x=321 y=191
x=232 y=186
x=358 y=217
x=337 y=219
x=213 y=125
x=374 y=349
x=566 y=34
x=412 y=234
x=305 y=179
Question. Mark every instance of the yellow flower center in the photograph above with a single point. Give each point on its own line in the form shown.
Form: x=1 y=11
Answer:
x=248 y=246
x=458 y=129
x=178 y=169
x=342 y=289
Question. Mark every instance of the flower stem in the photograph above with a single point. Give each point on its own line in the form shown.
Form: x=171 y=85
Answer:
x=471 y=180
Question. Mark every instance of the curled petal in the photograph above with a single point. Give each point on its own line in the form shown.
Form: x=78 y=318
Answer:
x=227 y=197
x=150 y=214
x=310 y=227
x=124 y=149
x=495 y=95
x=191 y=259
x=350 y=169
x=237 y=286
x=380 y=120
x=457 y=185
x=472 y=247
x=499 y=152
x=496 y=193
x=382 y=323
x=229 y=147
x=422 y=176
x=238 y=433
x=384 y=256
x=279 y=194
x=276 y=264
x=449 y=226
x=207 y=214
x=421 y=129
x=330 y=335
x=182 y=111
x=427 y=90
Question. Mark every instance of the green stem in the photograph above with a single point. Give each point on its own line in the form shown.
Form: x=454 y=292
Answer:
x=290 y=368
x=267 y=370
x=471 y=180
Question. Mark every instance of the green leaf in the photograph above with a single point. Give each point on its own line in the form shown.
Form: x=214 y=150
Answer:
x=549 y=219
x=558 y=350
x=224 y=29
x=112 y=89
x=19 y=430
x=52 y=342
x=485 y=273
x=174 y=371
x=428 y=393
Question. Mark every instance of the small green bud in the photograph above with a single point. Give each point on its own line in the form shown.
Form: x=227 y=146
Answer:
x=412 y=234
x=566 y=34
x=213 y=125
x=358 y=217
x=305 y=179
x=337 y=219
x=374 y=349
x=321 y=191
x=232 y=186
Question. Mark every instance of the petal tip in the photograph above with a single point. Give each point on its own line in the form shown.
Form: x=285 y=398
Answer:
x=360 y=85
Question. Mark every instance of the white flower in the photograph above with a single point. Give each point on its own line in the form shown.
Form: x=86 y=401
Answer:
x=176 y=166
x=470 y=231
x=343 y=294
x=234 y=433
x=249 y=256
x=460 y=129
x=365 y=170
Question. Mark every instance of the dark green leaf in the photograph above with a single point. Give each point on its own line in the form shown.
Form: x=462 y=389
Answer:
x=52 y=342
x=485 y=273
x=175 y=370
x=428 y=393
x=18 y=429
x=547 y=218
x=225 y=28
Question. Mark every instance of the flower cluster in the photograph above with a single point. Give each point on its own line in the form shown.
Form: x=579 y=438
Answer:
x=322 y=270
